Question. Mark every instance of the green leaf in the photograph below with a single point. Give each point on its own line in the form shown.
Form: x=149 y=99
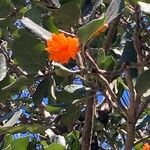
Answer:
x=3 y=67
x=5 y=95
x=62 y=2
x=143 y=82
x=120 y=87
x=138 y=146
x=29 y=53
x=73 y=140
x=49 y=25
x=36 y=29
x=89 y=30
x=23 y=128
x=14 y=119
x=7 y=142
x=5 y=2
x=54 y=146
x=80 y=2
x=7 y=22
x=109 y=63
x=53 y=109
x=44 y=143
x=71 y=115
x=18 y=3
x=42 y=90
x=19 y=84
x=20 y=144
x=71 y=92
x=4 y=8
x=9 y=114
x=65 y=18
x=105 y=62
x=35 y=14
x=129 y=55
x=101 y=56
x=62 y=71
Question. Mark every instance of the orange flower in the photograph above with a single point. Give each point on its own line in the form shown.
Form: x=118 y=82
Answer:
x=61 y=48
x=103 y=28
x=146 y=146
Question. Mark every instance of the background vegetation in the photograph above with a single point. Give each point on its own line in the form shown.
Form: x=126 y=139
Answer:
x=98 y=101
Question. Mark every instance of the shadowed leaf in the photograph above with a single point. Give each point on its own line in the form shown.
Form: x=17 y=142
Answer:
x=143 y=82
x=29 y=53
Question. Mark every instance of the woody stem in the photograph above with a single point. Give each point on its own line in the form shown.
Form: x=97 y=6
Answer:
x=88 y=124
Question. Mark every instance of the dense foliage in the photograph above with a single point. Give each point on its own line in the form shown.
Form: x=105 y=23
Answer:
x=74 y=74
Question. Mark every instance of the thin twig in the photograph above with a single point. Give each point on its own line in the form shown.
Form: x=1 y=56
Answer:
x=80 y=61
x=102 y=78
x=67 y=33
x=100 y=71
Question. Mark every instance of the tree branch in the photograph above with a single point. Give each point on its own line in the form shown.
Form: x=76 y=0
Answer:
x=111 y=33
x=137 y=40
x=131 y=117
x=105 y=82
x=88 y=124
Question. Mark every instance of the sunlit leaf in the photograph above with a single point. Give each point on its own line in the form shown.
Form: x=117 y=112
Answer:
x=23 y=128
x=3 y=67
x=73 y=140
x=20 y=143
x=145 y=7
x=7 y=142
x=36 y=29
x=49 y=25
x=14 y=119
x=141 y=123
x=54 y=146
x=114 y=9
x=89 y=30
x=62 y=71
x=105 y=62
x=53 y=109
x=19 y=84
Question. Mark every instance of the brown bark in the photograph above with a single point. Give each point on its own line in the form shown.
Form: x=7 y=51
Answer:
x=137 y=39
x=131 y=117
x=130 y=132
x=88 y=124
x=111 y=33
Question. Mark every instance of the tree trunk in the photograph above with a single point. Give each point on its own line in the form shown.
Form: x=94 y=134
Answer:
x=130 y=136
x=88 y=125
